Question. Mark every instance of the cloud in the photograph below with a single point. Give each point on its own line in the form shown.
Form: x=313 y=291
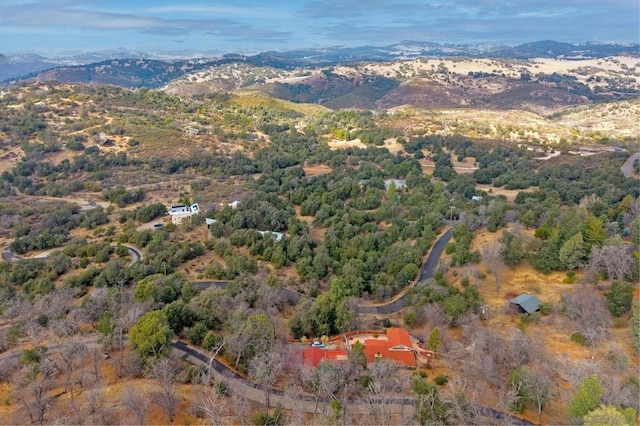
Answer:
x=74 y=14
x=469 y=21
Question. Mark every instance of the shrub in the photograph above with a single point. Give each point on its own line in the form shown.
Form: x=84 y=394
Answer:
x=579 y=338
x=411 y=319
x=197 y=333
x=545 y=308
x=441 y=379
x=530 y=318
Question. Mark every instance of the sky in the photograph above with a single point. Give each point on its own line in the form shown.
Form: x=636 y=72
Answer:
x=55 y=27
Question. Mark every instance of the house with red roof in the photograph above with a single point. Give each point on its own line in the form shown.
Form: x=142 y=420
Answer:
x=397 y=347
x=312 y=356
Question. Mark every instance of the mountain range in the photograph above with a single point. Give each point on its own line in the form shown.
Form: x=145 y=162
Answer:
x=153 y=70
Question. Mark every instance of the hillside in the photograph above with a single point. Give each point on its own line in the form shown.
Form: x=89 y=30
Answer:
x=539 y=100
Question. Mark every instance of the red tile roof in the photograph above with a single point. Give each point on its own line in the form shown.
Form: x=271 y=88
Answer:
x=397 y=346
x=405 y=358
x=313 y=356
x=398 y=337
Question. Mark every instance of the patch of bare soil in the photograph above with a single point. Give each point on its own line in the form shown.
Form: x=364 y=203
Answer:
x=339 y=144
x=9 y=159
x=510 y=194
x=316 y=169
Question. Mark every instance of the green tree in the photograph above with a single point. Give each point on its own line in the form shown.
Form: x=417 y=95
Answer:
x=610 y=415
x=106 y=327
x=572 y=252
x=619 y=298
x=594 y=233
x=587 y=398
x=179 y=315
x=151 y=335
x=434 y=340
x=635 y=327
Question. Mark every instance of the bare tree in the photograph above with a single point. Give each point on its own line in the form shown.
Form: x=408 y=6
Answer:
x=588 y=313
x=493 y=259
x=538 y=387
x=97 y=406
x=72 y=357
x=34 y=383
x=614 y=258
x=264 y=370
x=461 y=395
x=136 y=401
x=167 y=373
x=311 y=383
x=293 y=394
x=212 y=405
x=384 y=387
x=271 y=299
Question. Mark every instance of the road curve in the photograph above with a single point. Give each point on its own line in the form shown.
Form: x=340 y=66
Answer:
x=628 y=165
x=8 y=256
x=428 y=270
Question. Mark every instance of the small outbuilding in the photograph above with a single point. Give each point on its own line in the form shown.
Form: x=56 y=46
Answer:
x=525 y=303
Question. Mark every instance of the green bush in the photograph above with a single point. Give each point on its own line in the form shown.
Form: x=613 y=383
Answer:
x=579 y=338
x=197 y=333
x=533 y=318
x=441 y=379
x=410 y=319
x=545 y=309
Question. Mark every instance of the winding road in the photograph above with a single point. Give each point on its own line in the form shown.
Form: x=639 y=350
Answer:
x=427 y=272
x=8 y=256
x=627 y=167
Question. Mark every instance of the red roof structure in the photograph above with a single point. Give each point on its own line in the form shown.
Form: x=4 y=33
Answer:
x=397 y=347
x=399 y=339
x=313 y=356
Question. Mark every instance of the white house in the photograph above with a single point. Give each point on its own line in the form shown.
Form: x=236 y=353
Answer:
x=181 y=211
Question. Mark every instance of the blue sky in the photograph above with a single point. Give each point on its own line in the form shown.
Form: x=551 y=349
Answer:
x=52 y=27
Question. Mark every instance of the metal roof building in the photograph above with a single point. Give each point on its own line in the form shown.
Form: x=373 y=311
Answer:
x=526 y=303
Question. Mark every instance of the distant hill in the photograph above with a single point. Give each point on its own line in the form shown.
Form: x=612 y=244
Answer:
x=137 y=69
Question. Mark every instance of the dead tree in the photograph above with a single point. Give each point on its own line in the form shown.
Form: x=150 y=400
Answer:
x=137 y=402
x=167 y=373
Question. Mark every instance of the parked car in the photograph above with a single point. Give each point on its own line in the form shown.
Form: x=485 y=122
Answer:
x=158 y=225
x=317 y=344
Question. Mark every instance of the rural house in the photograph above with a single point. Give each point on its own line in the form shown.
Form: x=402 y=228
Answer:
x=181 y=211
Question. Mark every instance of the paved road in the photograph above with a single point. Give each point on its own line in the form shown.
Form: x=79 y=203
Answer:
x=8 y=256
x=628 y=165
x=427 y=272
